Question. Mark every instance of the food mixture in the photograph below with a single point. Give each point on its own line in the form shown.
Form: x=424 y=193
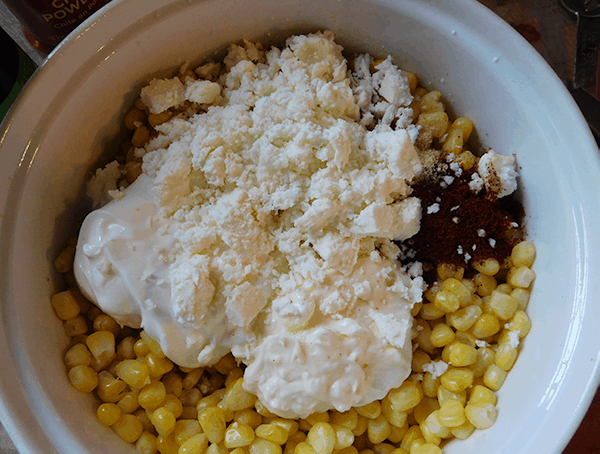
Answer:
x=317 y=261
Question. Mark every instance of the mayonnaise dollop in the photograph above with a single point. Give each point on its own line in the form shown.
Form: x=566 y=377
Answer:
x=264 y=226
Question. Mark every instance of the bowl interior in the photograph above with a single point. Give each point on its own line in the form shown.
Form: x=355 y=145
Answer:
x=69 y=118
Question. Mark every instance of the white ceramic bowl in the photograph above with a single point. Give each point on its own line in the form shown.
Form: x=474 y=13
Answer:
x=69 y=115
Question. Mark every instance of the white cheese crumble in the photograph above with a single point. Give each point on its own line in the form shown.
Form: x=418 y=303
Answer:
x=264 y=226
x=435 y=368
x=433 y=208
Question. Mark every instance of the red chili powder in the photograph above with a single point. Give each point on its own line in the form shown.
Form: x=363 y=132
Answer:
x=462 y=226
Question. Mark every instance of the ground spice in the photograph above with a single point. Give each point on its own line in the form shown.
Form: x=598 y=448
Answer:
x=459 y=226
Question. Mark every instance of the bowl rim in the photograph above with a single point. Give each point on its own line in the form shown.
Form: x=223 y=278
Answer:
x=11 y=394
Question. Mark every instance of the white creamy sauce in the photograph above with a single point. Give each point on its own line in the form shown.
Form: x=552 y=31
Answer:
x=264 y=227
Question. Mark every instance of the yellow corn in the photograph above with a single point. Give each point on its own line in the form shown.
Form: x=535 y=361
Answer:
x=371 y=411
x=522 y=297
x=424 y=409
x=166 y=445
x=450 y=270
x=152 y=395
x=457 y=380
x=462 y=355
x=101 y=345
x=83 y=378
x=78 y=355
x=173 y=383
x=146 y=443
x=435 y=123
x=128 y=427
x=104 y=322
x=485 y=357
x=451 y=414
x=343 y=437
x=489 y=267
x=109 y=413
x=434 y=426
x=441 y=335
x=427 y=448
x=428 y=435
x=502 y=305
x=521 y=277
x=430 y=385
x=395 y=418
x=486 y=325
x=212 y=421
x=348 y=419
x=446 y=301
x=158 y=366
x=125 y=348
x=454 y=141
x=290 y=426
x=412 y=80
x=520 y=323
x=75 y=326
x=523 y=254
x=506 y=356
x=190 y=397
x=378 y=429
x=444 y=395
x=273 y=433
x=484 y=284
x=481 y=415
x=482 y=394
x=152 y=344
x=134 y=373
x=465 y=125
x=406 y=397
x=429 y=311
x=494 y=378
x=318 y=417
x=65 y=305
x=238 y=435
x=196 y=444
x=249 y=417
x=237 y=398
x=466 y=159
x=163 y=421
x=464 y=318
x=321 y=437
x=463 y=431
x=174 y=405
x=141 y=348
x=304 y=448
x=128 y=402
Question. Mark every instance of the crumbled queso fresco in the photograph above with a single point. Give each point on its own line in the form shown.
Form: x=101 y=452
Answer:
x=265 y=225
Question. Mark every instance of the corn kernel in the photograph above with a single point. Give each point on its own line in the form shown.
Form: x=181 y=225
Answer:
x=430 y=385
x=237 y=398
x=104 y=322
x=173 y=383
x=523 y=254
x=348 y=419
x=158 y=366
x=481 y=415
x=521 y=277
x=457 y=380
x=485 y=357
x=238 y=435
x=427 y=448
x=464 y=318
x=128 y=427
x=190 y=397
x=506 y=355
x=262 y=410
x=273 y=433
x=196 y=444
x=174 y=405
x=128 y=402
x=436 y=123
x=429 y=311
x=465 y=125
x=65 y=305
x=378 y=429
x=444 y=395
x=249 y=417
x=466 y=159
x=78 y=355
x=463 y=431
x=152 y=395
x=522 y=297
x=101 y=345
x=489 y=266
x=290 y=426
x=502 y=305
x=451 y=414
x=482 y=394
x=494 y=378
x=520 y=323
x=212 y=421
x=361 y=426
x=407 y=396
x=435 y=427
x=140 y=348
x=109 y=413
x=321 y=437
x=146 y=443
x=152 y=344
x=446 y=301
x=484 y=284
x=441 y=335
x=125 y=348
x=134 y=373
x=304 y=448
x=371 y=411
x=163 y=421
x=486 y=325
x=462 y=355
x=424 y=409
x=428 y=435
x=83 y=378
x=75 y=326
x=343 y=437
x=166 y=445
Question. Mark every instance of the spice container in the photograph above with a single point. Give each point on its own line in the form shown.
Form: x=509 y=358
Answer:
x=15 y=70
x=46 y=22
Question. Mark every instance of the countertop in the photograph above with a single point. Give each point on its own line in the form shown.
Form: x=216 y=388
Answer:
x=551 y=31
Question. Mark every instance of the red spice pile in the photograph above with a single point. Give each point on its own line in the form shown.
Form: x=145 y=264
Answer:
x=459 y=226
